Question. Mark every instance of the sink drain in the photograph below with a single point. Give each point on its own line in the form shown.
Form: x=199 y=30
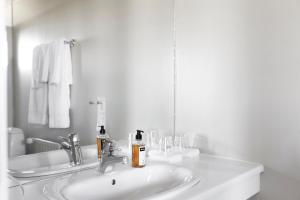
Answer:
x=113 y=182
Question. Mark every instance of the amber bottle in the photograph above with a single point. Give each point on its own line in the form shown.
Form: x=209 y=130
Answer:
x=101 y=137
x=138 y=151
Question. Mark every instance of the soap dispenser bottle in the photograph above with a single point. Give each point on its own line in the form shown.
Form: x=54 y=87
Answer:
x=138 y=151
x=101 y=137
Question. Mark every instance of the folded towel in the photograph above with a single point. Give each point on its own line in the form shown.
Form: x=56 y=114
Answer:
x=45 y=61
x=50 y=85
x=38 y=97
x=60 y=79
x=61 y=67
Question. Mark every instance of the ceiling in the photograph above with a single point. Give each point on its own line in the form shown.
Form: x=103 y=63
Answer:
x=24 y=10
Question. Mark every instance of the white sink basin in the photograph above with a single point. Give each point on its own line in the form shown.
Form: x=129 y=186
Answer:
x=155 y=180
x=49 y=163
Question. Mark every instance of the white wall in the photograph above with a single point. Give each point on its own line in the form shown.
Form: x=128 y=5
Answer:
x=3 y=99
x=123 y=54
x=10 y=86
x=8 y=21
x=238 y=84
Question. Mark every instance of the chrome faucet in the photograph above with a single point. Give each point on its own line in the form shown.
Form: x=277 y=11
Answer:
x=72 y=147
x=107 y=156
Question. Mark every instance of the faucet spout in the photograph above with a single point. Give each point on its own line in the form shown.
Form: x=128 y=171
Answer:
x=107 y=156
x=72 y=146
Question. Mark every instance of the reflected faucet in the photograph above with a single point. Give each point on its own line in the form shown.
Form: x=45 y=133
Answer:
x=107 y=156
x=72 y=146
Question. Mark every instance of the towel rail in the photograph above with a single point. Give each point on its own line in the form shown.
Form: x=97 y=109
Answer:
x=71 y=42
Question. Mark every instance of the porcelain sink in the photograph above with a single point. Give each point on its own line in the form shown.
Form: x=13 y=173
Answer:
x=155 y=180
x=50 y=163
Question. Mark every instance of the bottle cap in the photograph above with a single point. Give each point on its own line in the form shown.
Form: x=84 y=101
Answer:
x=139 y=135
x=102 y=130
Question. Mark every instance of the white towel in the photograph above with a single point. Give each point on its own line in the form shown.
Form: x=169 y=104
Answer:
x=60 y=79
x=38 y=97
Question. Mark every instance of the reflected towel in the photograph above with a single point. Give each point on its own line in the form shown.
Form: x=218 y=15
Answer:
x=38 y=97
x=60 y=79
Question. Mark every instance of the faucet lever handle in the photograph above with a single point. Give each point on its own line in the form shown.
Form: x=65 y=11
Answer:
x=112 y=146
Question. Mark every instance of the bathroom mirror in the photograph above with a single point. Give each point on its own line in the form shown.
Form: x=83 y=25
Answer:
x=123 y=53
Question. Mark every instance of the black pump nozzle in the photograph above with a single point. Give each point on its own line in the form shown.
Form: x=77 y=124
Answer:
x=139 y=134
x=102 y=130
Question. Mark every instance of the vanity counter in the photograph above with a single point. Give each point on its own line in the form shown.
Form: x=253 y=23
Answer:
x=220 y=178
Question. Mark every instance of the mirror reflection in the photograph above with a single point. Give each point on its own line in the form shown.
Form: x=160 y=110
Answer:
x=78 y=65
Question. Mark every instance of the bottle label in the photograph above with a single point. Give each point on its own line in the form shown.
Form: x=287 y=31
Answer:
x=142 y=156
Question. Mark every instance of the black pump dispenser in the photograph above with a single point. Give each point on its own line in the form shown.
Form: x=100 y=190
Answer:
x=139 y=135
x=102 y=130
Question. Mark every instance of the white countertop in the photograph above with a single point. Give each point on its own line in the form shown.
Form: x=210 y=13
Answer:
x=217 y=175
